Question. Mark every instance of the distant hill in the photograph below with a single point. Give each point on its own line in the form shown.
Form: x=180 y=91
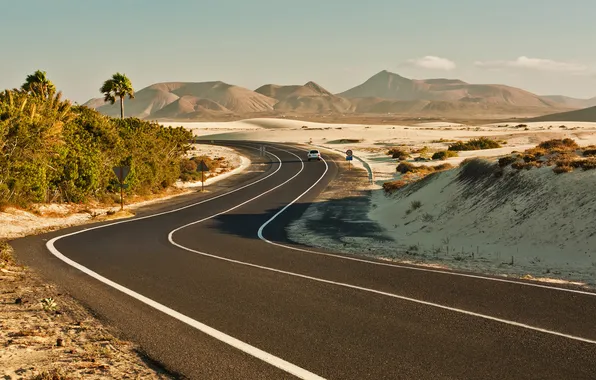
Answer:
x=198 y=96
x=586 y=114
x=308 y=98
x=387 y=85
x=283 y=92
x=384 y=93
x=566 y=101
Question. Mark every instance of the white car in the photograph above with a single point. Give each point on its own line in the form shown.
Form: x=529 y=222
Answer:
x=314 y=155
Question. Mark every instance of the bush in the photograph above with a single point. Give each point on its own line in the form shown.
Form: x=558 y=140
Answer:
x=562 y=169
x=475 y=144
x=398 y=153
x=519 y=165
x=406 y=167
x=444 y=154
x=53 y=152
x=392 y=186
x=443 y=167
x=507 y=160
x=559 y=145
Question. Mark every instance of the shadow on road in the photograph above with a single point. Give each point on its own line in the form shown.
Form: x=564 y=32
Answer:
x=333 y=218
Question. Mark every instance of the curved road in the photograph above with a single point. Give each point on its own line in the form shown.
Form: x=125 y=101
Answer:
x=212 y=289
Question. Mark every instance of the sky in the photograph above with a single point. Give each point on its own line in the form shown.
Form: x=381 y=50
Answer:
x=543 y=46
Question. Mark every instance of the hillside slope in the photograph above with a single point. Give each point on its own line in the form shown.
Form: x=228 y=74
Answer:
x=586 y=114
x=150 y=101
x=305 y=99
x=566 y=101
x=387 y=85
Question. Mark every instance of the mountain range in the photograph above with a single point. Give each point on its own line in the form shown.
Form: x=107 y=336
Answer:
x=382 y=94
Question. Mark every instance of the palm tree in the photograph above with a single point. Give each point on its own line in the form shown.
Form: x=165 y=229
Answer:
x=39 y=84
x=117 y=86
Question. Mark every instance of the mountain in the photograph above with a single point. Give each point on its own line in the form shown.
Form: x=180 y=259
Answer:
x=308 y=98
x=387 y=85
x=382 y=94
x=586 y=114
x=283 y=92
x=566 y=101
x=189 y=97
x=190 y=107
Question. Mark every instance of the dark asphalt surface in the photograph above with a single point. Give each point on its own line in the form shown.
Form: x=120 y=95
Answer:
x=334 y=331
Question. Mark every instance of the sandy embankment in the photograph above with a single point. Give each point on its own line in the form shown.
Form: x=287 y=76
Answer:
x=547 y=244
x=16 y=223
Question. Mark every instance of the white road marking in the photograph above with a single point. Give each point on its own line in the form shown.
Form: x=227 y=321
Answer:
x=395 y=265
x=462 y=311
x=275 y=361
x=236 y=343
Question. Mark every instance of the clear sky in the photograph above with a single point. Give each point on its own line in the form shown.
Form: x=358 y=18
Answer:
x=544 y=46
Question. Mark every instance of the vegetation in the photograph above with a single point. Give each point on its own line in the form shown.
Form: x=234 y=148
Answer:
x=475 y=144
x=558 y=145
x=406 y=167
x=398 y=153
x=392 y=186
x=39 y=84
x=418 y=172
x=564 y=154
x=54 y=152
x=188 y=167
x=444 y=154
x=118 y=86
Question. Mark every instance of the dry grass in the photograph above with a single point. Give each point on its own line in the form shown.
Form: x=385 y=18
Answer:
x=392 y=186
x=412 y=173
x=475 y=144
x=6 y=257
x=398 y=153
x=444 y=154
x=564 y=154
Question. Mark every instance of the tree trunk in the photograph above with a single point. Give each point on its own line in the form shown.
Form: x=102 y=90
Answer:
x=122 y=107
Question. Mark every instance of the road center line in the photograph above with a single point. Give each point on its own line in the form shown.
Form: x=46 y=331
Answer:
x=236 y=343
x=432 y=304
x=396 y=265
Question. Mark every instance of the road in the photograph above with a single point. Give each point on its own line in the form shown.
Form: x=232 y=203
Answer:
x=211 y=288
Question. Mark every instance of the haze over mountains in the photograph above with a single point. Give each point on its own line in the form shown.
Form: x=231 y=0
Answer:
x=382 y=94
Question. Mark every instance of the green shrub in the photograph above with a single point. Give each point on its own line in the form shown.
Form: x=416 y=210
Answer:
x=475 y=144
x=52 y=152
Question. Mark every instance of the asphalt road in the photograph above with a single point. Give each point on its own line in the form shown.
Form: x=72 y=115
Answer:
x=204 y=295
